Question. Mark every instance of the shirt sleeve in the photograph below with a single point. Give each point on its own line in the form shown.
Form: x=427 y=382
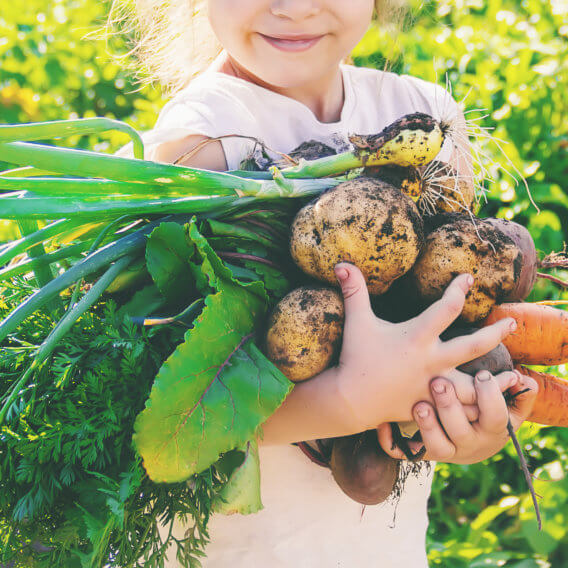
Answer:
x=201 y=114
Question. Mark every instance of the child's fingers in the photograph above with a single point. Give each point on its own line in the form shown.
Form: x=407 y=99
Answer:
x=465 y=348
x=355 y=294
x=471 y=412
x=463 y=385
x=451 y=413
x=493 y=412
x=436 y=318
x=438 y=446
x=506 y=380
x=386 y=441
x=522 y=404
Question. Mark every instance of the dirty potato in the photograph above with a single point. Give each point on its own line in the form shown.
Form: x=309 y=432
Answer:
x=476 y=248
x=304 y=332
x=365 y=221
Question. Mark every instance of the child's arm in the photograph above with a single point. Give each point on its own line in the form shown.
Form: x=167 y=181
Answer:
x=209 y=157
x=384 y=368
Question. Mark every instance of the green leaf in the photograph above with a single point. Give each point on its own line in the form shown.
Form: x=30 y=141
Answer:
x=168 y=253
x=212 y=266
x=540 y=541
x=489 y=514
x=274 y=280
x=241 y=494
x=214 y=391
x=143 y=302
x=491 y=560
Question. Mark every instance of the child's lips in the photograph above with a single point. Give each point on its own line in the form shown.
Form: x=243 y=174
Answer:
x=292 y=43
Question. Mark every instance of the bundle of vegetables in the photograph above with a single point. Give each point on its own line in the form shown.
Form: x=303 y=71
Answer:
x=408 y=255
x=134 y=379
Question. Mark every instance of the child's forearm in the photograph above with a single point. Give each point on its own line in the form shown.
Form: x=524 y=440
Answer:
x=314 y=409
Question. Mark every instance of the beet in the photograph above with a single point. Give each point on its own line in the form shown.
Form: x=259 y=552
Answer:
x=527 y=272
x=496 y=361
x=361 y=468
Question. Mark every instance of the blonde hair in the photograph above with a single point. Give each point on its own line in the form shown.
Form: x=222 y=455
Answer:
x=171 y=41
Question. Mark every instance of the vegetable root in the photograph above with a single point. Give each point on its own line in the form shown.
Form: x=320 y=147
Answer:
x=541 y=337
x=551 y=405
x=361 y=468
x=365 y=221
x=304 y=332
x=477 y=248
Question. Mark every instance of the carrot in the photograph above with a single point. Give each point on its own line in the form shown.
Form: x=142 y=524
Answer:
x=551 y=405
x=541 y=337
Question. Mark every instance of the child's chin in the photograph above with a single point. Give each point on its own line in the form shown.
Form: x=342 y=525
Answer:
x=288 y=76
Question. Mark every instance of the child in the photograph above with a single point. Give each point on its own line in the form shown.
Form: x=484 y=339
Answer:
x=280 y=79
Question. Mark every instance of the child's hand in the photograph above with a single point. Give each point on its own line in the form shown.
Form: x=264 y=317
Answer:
x=447 y=433
x=384 y=368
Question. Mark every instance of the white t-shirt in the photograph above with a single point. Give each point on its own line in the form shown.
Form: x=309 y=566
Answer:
x=307 y=521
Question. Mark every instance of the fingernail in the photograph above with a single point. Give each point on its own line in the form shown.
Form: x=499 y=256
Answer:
x=466 y=283
x=439 y=387
x=483 y=376
x=341 y=273
x=422 y=412
x=513 y=380
x=416 y=447
x=512 y=325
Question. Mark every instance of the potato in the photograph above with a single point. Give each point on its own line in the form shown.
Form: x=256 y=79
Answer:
x=478 y=249
x=361 y=468
x=407 y=179
x=304 y=332
x=365 y=221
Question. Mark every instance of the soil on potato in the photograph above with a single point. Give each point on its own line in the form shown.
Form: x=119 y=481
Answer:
x=407 y=179
x=310 y=150
x=474 y=247
x=365 y=221
x=497 y=244
x=304 y=331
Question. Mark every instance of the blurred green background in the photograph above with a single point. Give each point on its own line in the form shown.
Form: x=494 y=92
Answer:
x=507 y=57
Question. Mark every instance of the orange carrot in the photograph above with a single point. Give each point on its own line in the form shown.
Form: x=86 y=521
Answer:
x=541 y=337
x=551 y=405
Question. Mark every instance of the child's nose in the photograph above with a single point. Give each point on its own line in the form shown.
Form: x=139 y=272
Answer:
x=295 y=9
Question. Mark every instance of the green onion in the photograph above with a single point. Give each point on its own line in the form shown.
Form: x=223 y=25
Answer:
x=61 y=128
x=103 y=257
x=43 y=260
x=26 y=204
x=27 y=171
x=61 y=228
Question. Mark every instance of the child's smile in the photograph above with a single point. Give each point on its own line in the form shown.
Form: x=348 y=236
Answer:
x=292 y=46
x=292 y=42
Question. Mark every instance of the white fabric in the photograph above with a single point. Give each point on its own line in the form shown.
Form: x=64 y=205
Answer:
x=215 y=104
x=307 y=522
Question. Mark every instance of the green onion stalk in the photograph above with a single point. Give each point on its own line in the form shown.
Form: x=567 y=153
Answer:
x=78 y=192
x=98 y=211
